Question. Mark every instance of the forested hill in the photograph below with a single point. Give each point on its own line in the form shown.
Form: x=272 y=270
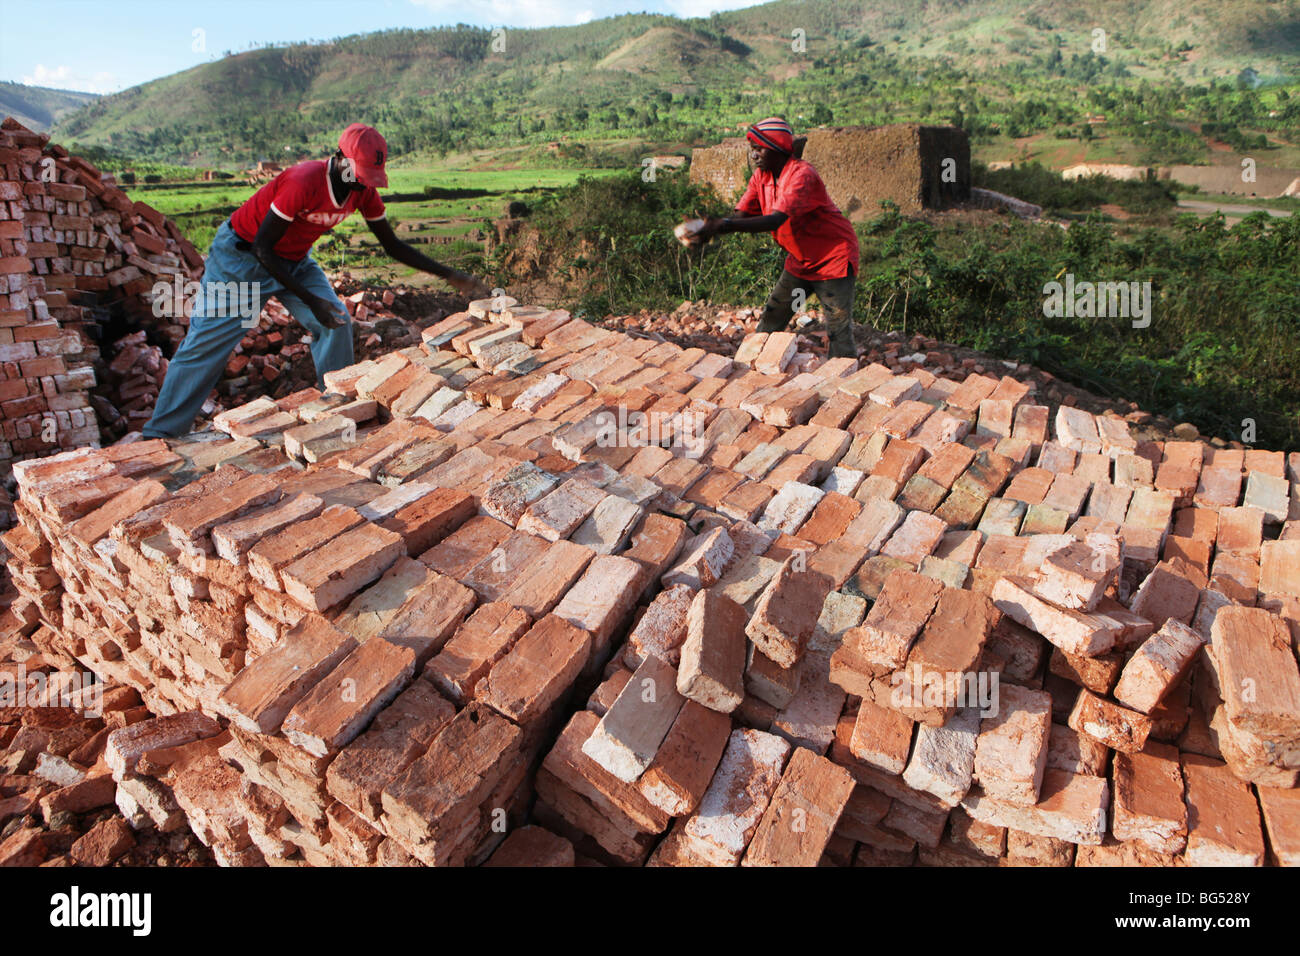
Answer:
x=995 y=65
x=39 y=107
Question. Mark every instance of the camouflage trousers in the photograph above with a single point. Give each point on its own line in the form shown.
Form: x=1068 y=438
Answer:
x=836 y=298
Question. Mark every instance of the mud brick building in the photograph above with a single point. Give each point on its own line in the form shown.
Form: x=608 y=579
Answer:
x=916 y=167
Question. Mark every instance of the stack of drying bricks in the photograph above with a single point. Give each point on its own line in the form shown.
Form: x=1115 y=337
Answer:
x=390 y=594
x=264 y=352
x=69 y=240
x=134 y=377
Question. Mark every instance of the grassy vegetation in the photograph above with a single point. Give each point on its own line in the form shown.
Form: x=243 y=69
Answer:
x=611 y=238
x=1034 y=183
x=1222 y=345
x=1222 y=342
x=1284 y=203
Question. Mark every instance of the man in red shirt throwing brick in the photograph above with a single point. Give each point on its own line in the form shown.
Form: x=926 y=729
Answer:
x=787 y=197
x=263 y=250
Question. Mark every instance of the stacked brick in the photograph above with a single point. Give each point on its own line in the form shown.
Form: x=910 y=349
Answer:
x=71 y=242
x=60 y=801
x=746 y=573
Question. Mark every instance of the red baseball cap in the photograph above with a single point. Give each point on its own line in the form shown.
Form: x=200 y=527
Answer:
x=368 y=151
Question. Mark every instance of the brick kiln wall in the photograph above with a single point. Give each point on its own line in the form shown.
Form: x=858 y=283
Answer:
x=861 y=165
x=725 y=167
x=71 y=242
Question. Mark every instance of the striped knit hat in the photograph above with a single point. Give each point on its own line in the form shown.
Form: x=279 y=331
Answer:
x=774 y=133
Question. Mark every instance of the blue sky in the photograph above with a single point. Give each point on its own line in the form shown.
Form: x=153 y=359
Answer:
x=102 y=46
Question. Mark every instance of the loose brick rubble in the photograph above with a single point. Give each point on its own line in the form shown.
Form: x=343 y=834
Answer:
x=462 y=609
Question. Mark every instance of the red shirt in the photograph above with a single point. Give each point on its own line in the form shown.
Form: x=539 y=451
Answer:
x=302 y=194
x=821 y=243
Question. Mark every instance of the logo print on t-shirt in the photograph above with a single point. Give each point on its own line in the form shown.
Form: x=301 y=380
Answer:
x=328 y=219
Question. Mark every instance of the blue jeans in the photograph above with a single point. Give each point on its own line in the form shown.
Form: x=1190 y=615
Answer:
x=235 y=288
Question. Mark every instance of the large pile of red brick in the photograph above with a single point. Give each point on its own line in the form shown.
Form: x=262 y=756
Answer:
x=536 y=592
x=79 y=257
x=71 y=243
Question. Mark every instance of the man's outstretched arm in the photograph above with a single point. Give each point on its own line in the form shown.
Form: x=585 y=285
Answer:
x=269 y=233
x=769 y=223
x=404 y=253
x=742 y=223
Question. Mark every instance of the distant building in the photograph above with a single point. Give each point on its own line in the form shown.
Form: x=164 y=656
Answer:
x=1266 y=181
x=1109 y=170
x=263 y=172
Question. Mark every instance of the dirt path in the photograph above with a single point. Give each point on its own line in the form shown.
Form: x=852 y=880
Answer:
x=1232 y=211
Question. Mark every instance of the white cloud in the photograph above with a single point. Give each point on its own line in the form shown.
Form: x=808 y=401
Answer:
x=551 y=13
x=702 y=8
x=63 y=78
x=513 y=13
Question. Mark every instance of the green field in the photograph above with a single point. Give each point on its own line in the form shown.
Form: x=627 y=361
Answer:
x=442 y=228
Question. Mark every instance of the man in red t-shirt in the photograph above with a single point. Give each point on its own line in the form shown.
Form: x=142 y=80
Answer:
x=787 y=197
x=263 y=250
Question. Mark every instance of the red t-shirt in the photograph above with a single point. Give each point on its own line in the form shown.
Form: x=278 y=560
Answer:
x=821 y=243
x=302 y=194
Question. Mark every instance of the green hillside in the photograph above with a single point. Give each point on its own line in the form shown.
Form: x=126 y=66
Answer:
x=1186 y=39
x=1002 y=69
x=38 y=107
